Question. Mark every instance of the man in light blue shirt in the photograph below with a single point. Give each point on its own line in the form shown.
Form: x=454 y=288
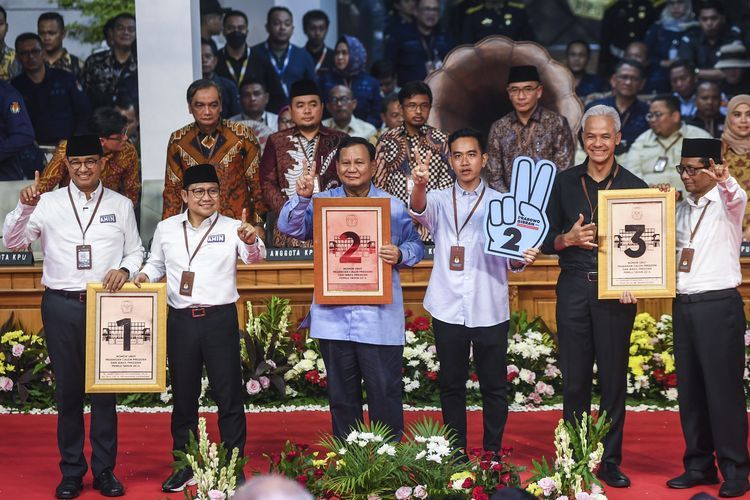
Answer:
x=468 y=291
x=359 y=343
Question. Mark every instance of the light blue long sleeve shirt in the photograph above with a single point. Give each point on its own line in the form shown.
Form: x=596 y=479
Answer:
x=367 y=324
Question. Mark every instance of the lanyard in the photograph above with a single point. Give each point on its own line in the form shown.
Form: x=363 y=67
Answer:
x=429 y=49
x=310 y=161
x=78 y=219
x=411 y=156
x=282 y=70
x=243 y=69
x=695 y=229
x=667 y=148
x=455 y=212
x=322 y=57
x=187 y=248
x=586 y=191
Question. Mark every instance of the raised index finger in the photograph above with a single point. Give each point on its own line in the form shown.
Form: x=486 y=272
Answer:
x=244 y=216
x=36 y=177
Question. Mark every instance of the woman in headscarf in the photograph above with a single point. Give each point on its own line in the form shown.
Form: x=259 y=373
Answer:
x=736 y=147
x=349 y=60
x=663 y=37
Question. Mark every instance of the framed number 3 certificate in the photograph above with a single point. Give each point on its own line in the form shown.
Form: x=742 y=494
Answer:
x=347 y=234
x=636 y=243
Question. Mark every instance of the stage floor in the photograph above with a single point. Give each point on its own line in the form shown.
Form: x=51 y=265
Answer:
x=28 y=452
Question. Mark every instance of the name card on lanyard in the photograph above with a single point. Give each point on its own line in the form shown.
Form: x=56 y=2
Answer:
x=280 y=70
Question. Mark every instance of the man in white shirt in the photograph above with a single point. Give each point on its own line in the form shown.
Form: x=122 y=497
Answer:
x=709 y=322
x=655 y=152
x=341 y=104
x=467 y=295
x=253 y=100
x=88 y=234
x=197 y=250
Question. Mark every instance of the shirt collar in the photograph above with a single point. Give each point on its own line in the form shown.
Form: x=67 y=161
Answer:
x=585 y=171
x=421 y=131
x=475 y=192
x=535 y=116
x=78 y=194
x=206 y=222
x=712 y=195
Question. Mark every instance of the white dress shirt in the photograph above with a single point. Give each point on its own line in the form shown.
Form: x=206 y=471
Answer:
x=215 y=264
x=716 y=261
x=356 y=127
x=478 y=295
x=113 y=235
x=267 y=118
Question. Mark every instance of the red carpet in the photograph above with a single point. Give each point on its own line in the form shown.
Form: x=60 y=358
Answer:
x=28 y=451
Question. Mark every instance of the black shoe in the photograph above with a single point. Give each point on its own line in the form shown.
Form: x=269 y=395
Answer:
x=734 y=488
x=178 y=480
x=691 y=478
x=69 y=487
x=108 y=485
x=613 y=476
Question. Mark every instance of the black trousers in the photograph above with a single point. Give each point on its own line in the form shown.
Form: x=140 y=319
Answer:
x=212 y=340
x=348 y=365
x=490 y=348
x=709 y=348
x=591 y=329
x=65 y=331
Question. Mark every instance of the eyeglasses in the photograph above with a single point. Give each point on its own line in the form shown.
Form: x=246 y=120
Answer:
x=691 y=171
x=199 y=193
x=654 y=116
x=341 y=100
x=514 y=91
x=77 y=164
x=413 y=106
x=27 y=53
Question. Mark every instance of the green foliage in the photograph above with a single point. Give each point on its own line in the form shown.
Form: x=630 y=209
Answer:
x=97 y=13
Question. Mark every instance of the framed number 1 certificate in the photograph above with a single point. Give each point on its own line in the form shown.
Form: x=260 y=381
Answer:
x=636 y=243
x=347 y=234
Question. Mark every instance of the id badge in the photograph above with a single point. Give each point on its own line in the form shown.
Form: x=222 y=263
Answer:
x=186 y=283
x=457 y=258
x=686 y=260
x=316 y=184
x=409 y=184
x=661 y=164
x=83 y=256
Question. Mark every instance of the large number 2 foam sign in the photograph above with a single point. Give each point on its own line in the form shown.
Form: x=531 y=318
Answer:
x=518 y=220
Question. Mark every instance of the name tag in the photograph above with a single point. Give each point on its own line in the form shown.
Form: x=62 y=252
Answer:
x=108 y=218
x=215 y=238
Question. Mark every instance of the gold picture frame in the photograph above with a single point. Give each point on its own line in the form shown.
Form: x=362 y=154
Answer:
x=636 y=243
x=126 y=338
x=355 y=274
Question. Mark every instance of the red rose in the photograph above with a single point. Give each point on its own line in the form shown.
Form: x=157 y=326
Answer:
x=670 y=380
x=323 y=383
x=473 y=376
x=468 y=483
x=302 y=479
x=410 y=326
x=422 y=323
x=506 y=451
x=499 y=486
x=479 y=494
x=408 y=313
x=511 y=376
x=318 y=473
x=485 y=465
x=431 y=375
x=497 y=467
x=488 y=455
x=312 y=376
x=302 y=447
x=296 y=338
x=658 y=374
x=291 y=455
x=505 y=478
x=475 y=452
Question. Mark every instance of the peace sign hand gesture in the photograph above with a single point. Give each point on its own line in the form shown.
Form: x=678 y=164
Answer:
x=518 y=221
x=30 y=194
x=421 y=173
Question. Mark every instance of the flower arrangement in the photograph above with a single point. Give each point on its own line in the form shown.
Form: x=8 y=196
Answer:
x=25 y=373
x=651 y=367
x=215 y=475
x=308 y=371
x=578 y=452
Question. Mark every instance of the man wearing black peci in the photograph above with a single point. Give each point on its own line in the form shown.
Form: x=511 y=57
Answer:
x=590 y=329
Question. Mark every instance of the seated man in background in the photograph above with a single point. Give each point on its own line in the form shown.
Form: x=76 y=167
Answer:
x=391 y=115
x=577 y=57
x=121 y=170
x=341 y=104
x=683 y=82
x=708 y=104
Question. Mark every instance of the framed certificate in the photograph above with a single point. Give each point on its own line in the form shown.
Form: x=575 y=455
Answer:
x=347 y=234
x=126 y=338
x=636 y=243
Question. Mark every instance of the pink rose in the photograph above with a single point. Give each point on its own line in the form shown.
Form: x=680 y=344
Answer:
x=265 y=382
x=512 y=369
x=253 y=387
x=6 y=384
x=420 y=491
x=18 y=350
x=216 y=495
x=403 y=493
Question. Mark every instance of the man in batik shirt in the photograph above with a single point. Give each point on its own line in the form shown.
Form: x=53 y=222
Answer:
x=529 y=130
x=401 y=149
x=308 y=147
x=9 y=67
x=51 y=29
x=228 y=146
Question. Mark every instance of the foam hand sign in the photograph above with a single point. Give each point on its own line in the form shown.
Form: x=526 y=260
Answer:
x=518 y=220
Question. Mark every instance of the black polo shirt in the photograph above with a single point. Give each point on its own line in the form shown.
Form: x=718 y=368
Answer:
x=567 y=201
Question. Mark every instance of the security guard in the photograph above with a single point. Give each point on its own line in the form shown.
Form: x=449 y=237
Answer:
x=197 y=250
x=496 y=17
x=88 y=234
x=16 y=133
x=624 y=21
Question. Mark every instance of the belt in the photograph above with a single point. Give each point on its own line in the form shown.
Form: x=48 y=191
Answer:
x=80 y=296
x=587 y=275
x=686 y=298
x=199 y=312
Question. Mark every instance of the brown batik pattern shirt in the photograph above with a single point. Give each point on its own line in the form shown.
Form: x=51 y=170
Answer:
x=235 y=156
x=546 y=136
x=396 y=156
